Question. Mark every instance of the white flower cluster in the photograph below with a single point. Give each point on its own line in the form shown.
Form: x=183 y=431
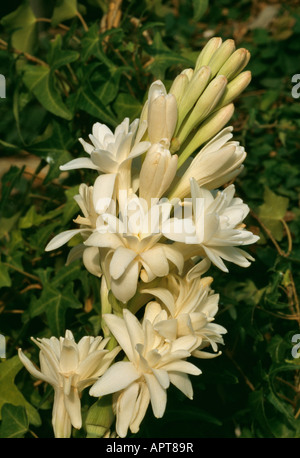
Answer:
x=151 y=225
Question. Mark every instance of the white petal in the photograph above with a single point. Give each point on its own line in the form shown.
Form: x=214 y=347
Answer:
x=91 y=260
x=125 y=287
x=118 y=328
x=73 y=407
x=121 y=259
x=79 y=163
x=62 y=238
x=103 y=191
x=125 y=408
x=182 y=366
x=182 y=382
x=158 y=395
x=116 y=378
x=33 y=371
x=60 y=418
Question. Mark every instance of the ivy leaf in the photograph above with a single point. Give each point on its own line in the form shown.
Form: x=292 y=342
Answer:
x=127 y=105
x=92 y=46
x=5 y=279
x=64 y=10
x=54 y=149
x=272 y=211
x=40 y=81
x=22 y=22
x=58 y=57
x=55 y=302
x=9 y=392
x=200 y=7
x=14 y=421
x=89 y=102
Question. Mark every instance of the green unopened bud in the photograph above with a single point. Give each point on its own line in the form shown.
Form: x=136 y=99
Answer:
x=189 y=72
x=235 y=64
x=99 y=418
x=220 y=56
x=234 y=88
x=207 y=52
x=214 y=123
x=205 y=105
x=195 y=88
x=179 y=86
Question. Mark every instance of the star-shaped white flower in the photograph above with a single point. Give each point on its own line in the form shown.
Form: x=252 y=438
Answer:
x=152 y=365
x=213 y=228
x=69 y=368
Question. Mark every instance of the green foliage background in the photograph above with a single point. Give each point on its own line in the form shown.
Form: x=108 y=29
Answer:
x=62 y=75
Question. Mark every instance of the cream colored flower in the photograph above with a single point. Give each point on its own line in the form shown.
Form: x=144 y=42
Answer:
x=112 y=153
x=88 y=199
x=130 y=248
x=152 y=365
x=214 y=229
x=157 y=172
x=187 y=306
x=161 y=114
x=69 y=368
x=218 y=162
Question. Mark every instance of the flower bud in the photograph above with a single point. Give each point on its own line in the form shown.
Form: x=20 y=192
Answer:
x=213 y=164
x=157 y=172
x=234 y=88
x=162 y=113
x=205 y=105
x=213 y=124
x=179 y=86
x=220 y=56
x=207 y=52
x=193 y=91
x=235 y=64
x=100 y=417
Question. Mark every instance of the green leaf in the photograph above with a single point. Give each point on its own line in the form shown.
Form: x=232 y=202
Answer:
x=5 y=279
x=58 y=57
x=57 y=305
x=127 y=106
x=33 y=219
x=272 y=211
x=14 y=421
x=40 y=81
x=200 y=7
x=89 y=102
x=9 y=393
x=54 y=149
x=92 y=46
x=64 y=10
x=22 y=22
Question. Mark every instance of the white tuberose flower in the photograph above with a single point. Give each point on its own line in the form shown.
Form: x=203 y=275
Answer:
x=112 y=153
x=153 y=364
x=133 y=248
x=88 y=199
x=218 y=162
x=162 y=113
x=189 y=309
x=69 y=368
x=215 y=228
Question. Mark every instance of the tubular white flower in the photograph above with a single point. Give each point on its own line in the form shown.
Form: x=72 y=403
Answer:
x=112 y=153
x=189 y=308
x=69 y=368
x=215 y=227
x=157 y=172
x=152 y=365
x=130 y=247
x=89 y=199
x=162 y=113
x=217 y=162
